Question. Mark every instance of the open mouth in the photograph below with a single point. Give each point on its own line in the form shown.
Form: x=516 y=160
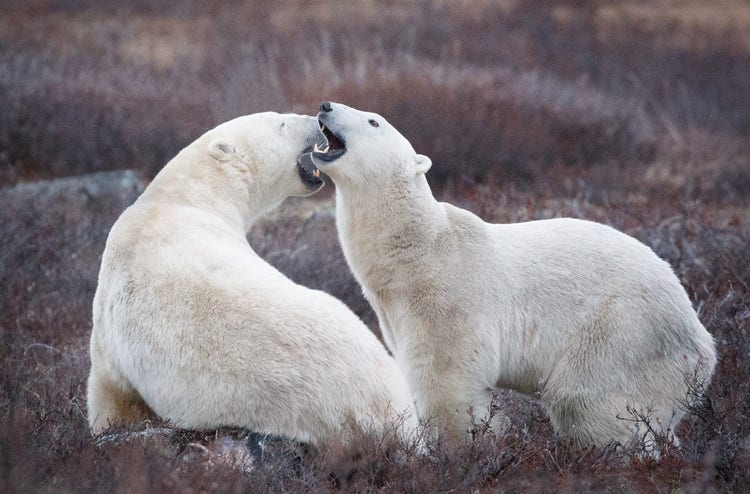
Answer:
x=308 y=172
x=333 y=148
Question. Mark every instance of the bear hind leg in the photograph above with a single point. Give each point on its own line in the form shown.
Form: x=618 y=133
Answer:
x=113 y=403
x=589 y=422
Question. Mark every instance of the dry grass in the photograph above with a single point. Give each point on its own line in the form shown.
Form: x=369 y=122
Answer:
x=629 y=114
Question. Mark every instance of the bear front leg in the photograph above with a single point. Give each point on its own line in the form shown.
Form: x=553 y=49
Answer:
x=487 y=415
x=461 y=411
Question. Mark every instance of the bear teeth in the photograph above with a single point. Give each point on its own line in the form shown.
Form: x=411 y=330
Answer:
x=317 y=148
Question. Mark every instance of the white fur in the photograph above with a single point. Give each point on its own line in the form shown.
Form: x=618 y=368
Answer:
x=190 y=323
x=587 y=318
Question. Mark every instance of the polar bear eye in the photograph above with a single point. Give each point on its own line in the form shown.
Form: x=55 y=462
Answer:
x=374 y=123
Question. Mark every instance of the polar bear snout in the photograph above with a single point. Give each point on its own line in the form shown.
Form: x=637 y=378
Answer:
x=335 y=146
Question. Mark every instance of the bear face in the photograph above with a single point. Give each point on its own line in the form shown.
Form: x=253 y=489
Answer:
x=354 y=137
x=266 y=147
x=242 y=168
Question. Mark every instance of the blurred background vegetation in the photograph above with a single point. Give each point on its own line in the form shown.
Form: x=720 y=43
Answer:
x=504 y=89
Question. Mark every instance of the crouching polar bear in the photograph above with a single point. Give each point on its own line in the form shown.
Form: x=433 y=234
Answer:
x=191 y=324
x=586 y=317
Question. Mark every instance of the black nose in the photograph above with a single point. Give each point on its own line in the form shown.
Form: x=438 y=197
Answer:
x=326 y=106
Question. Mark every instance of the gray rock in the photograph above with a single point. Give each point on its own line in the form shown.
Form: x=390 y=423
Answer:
x=52 y=235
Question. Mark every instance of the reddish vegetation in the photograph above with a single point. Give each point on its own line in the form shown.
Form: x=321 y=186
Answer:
x=635 y=116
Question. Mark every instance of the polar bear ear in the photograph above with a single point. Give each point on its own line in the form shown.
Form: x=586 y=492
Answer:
x=422 y=164
x=221 y=149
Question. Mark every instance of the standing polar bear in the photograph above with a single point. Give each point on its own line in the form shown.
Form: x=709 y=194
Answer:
x=586 y=317
x=191 y=324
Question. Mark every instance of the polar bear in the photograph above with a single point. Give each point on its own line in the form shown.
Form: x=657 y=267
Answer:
x=191 y=324
x=575 y=312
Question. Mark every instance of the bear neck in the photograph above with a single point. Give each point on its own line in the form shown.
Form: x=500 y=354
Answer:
x=197 y=187
x=386 y=231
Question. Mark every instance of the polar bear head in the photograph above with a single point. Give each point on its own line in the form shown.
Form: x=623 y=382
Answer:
x=363 y=147
x=265 y=148
x=244 y=167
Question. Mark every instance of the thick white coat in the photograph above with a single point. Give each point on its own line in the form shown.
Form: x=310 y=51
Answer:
x=575 y=312
x=190 y=323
